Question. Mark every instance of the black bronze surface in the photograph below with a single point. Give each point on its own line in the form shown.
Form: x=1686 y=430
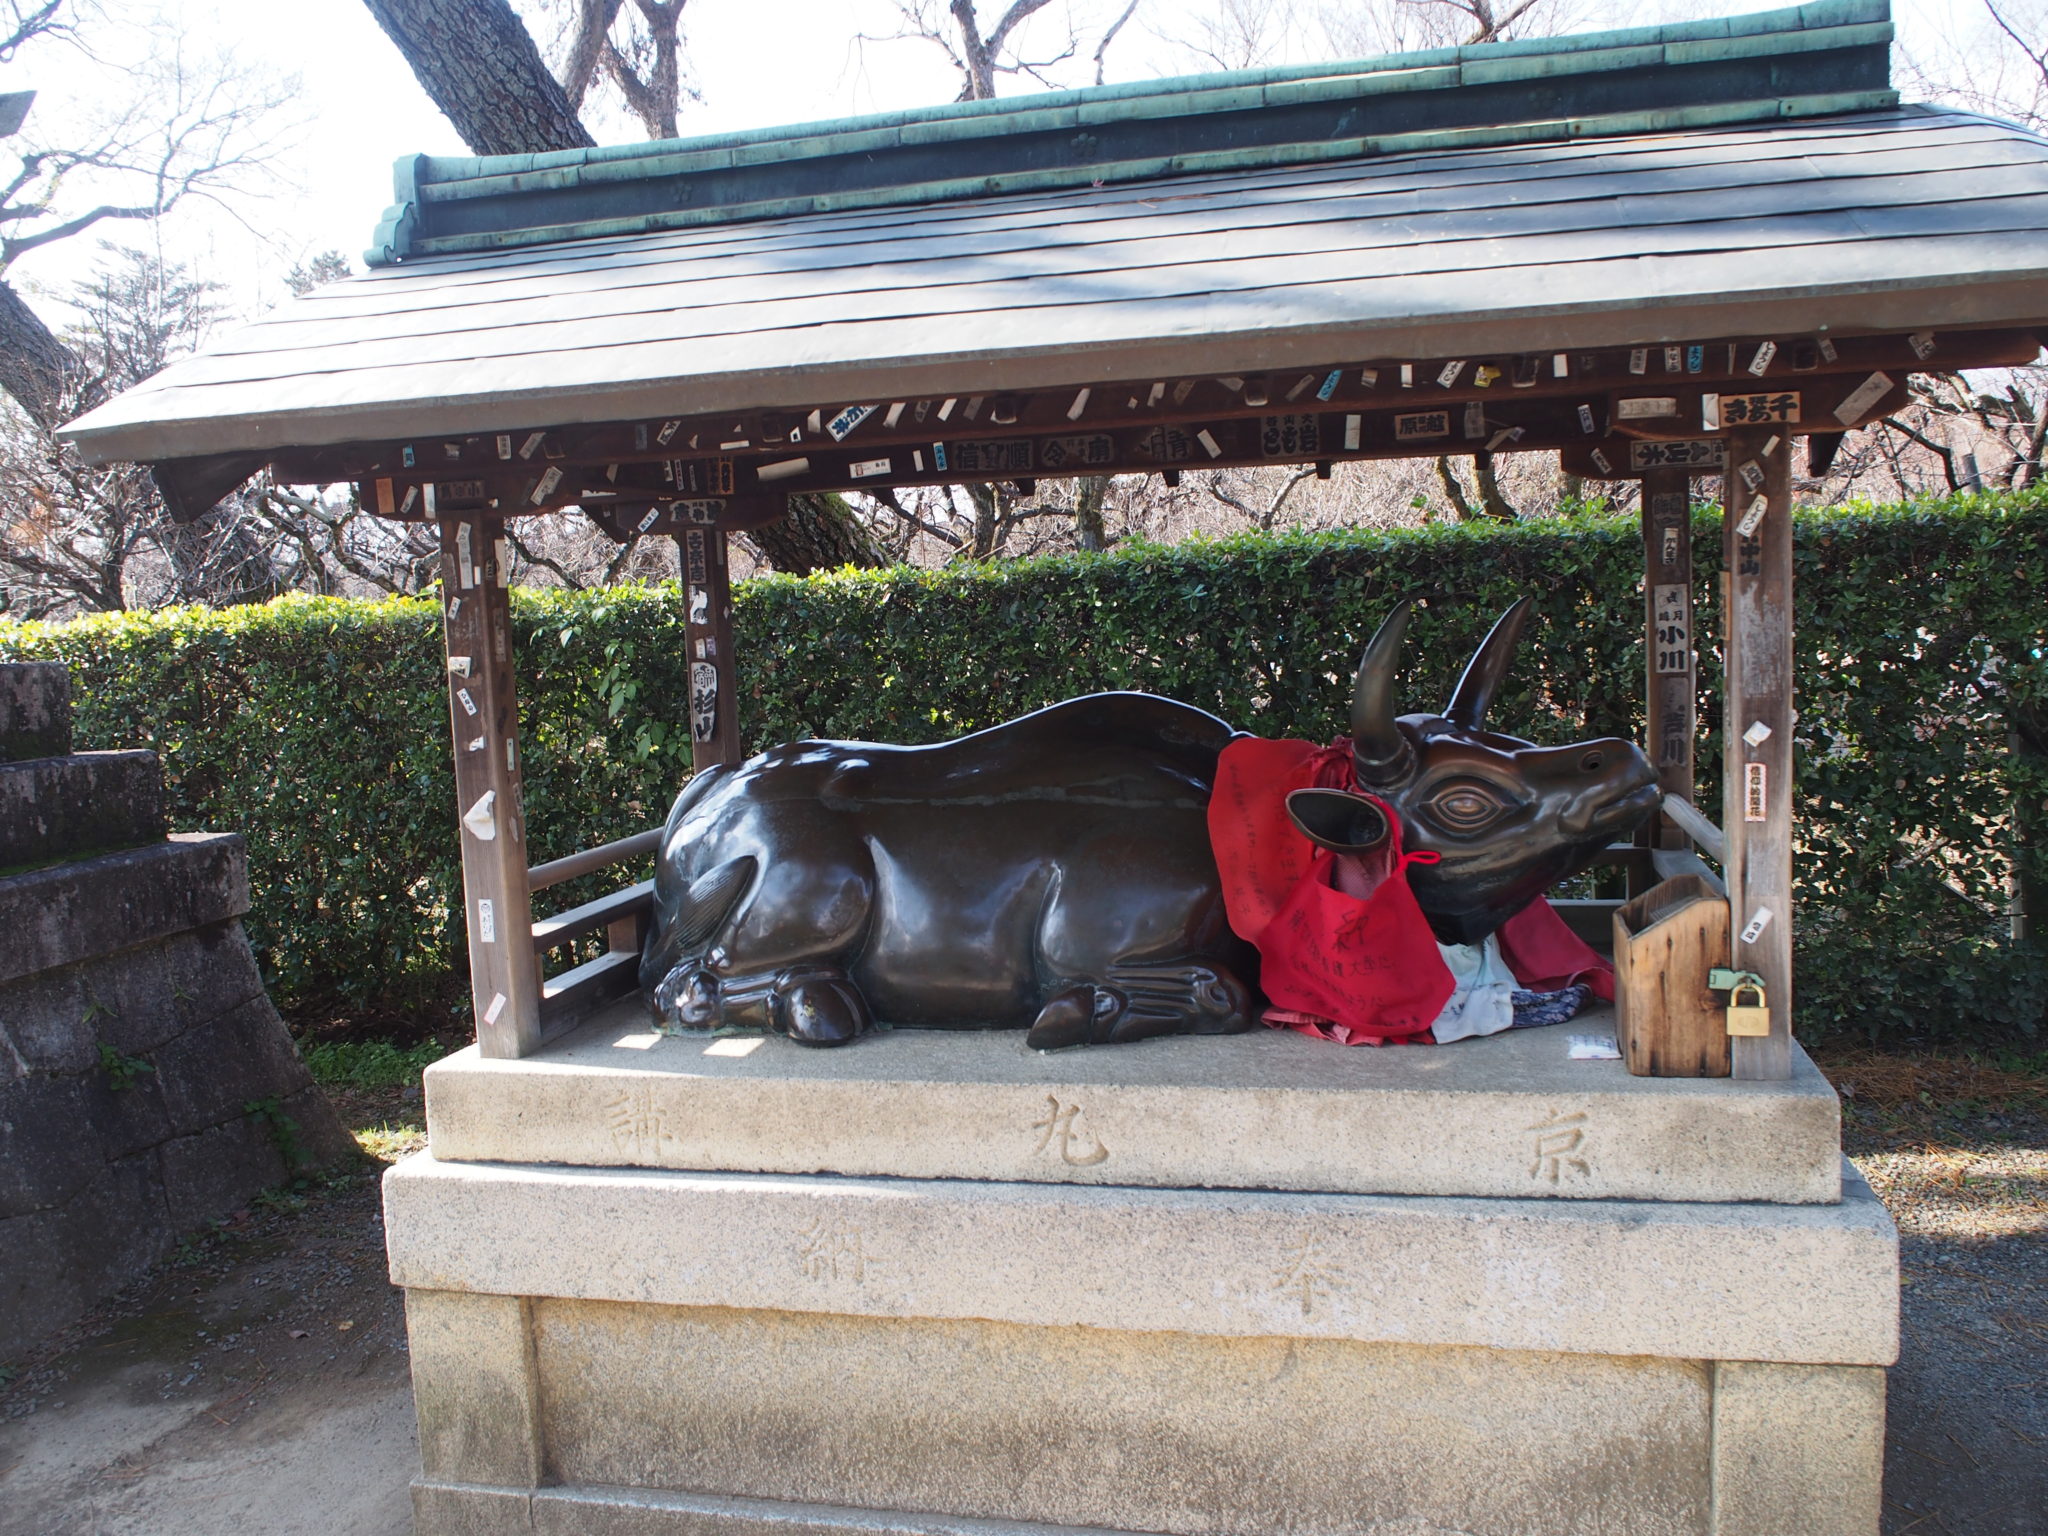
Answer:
x=1055 y=871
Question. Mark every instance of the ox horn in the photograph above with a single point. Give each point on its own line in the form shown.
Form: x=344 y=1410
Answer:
x=1488 y=666
x=1379 y=751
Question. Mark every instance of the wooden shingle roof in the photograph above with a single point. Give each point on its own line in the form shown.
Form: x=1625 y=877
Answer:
x=1844 y=222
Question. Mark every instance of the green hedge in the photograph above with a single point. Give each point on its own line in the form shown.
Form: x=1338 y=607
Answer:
x=318 y=727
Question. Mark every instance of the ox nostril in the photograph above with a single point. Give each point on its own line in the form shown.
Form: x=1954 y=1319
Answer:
x=1591 y=762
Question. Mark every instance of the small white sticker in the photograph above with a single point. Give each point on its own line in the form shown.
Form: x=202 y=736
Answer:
x=532 y=444
x=412 y=494
x=1154 y=395
x=1586 y=420
x=504 y=445
x=1369 y=377
x=1407 y=375
x=1209 y=445
x=864 y=469
x=917 y=460
x=667 y=432
x=1508 y=435
x=973 y=407
x=545 y=486
x=1761 y=363
x=1080 y=404
x=735 y=445
x=1231 y=382
x=476 y=744
x=1560 y=366
x=1601 y=462
x=1771 y=445
x=1448 y=375
x=1755 y=800
x=1646 y=407
x=1863 y=397
x=842 y=424
x=1639 y=360
x=1751 y=473
x=893 y=415
x=1828 y=352
x=1922 y=343
x=1301 y=386
x=1352 y=426
x=465 y=561
x=459 y=665
x=1757 y=924
x=486 y=921
x=1757 y=734
x=468 y=704
x=497 y=1005
x=783 y=469
x=946 y=407
x=1674 y=359
x=1475 y=420
x=1182 y=390
x=1754 y=517
x=481 y=818
x=1710 y=413
x=653 y=516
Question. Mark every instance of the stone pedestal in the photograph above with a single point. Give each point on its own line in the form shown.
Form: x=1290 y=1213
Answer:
x=938 y=1283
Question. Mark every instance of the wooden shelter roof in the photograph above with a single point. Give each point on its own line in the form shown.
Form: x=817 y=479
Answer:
x=1586 y=218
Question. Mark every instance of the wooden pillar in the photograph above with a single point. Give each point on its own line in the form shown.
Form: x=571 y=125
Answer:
x=1669 y=688
x=483 y=710
x=1756 y=798
x=714 y=700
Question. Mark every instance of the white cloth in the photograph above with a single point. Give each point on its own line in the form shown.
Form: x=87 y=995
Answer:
x=1484 y=1002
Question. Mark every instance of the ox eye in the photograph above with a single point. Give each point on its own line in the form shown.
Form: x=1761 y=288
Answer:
x=1464 y=807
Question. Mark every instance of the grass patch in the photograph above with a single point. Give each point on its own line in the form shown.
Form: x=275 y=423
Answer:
x=388 y=1143
x=370 y=1063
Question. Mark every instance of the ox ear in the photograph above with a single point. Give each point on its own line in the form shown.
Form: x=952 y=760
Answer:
x=1488 y=666
x=1379 y=751
x=1332 y=819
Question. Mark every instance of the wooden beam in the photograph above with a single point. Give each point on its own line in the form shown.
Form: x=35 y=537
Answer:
x=1670 y=689
x=1756 y=726
x=483 y=711
x=731 y=444
x=714 y=692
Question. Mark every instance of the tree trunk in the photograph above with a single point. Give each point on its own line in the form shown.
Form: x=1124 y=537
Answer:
x=820 y=534
x=36 y=368
x=1089 y=532
x=479 y=65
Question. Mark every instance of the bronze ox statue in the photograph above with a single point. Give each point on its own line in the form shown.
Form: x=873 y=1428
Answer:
x=1055 y=871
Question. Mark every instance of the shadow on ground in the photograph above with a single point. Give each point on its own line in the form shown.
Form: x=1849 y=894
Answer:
x=257 y=1382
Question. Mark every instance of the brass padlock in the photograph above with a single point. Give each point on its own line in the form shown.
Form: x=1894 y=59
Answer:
x=1748 y=1018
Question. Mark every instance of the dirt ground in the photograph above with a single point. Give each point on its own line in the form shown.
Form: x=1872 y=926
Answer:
x=257 y=1382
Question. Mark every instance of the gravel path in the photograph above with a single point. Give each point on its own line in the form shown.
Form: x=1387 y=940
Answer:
x=259 y=1383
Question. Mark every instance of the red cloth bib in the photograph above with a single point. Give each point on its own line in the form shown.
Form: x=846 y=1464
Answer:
x=1344 y=950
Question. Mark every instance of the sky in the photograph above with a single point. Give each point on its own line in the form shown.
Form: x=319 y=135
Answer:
x=353 y=107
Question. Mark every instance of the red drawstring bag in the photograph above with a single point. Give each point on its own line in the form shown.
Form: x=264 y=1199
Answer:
x=1344 y=949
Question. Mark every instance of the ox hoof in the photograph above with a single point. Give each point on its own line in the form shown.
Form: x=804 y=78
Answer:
x=1081 y=1015
x=820 y=1011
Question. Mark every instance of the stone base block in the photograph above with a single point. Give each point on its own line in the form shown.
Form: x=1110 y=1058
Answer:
x=35 y=710
x=87 y=803
x=1511 y=1116
x=640 y=1352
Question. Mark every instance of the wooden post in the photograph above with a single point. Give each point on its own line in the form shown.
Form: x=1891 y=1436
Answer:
x=483 y=710
x=1670 y=690
x=1756 y=797
x=714 y=699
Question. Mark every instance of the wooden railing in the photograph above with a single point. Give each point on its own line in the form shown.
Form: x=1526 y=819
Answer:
x=622 y=916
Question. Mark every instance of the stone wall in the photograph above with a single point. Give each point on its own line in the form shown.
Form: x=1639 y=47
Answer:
x=147 y=1086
